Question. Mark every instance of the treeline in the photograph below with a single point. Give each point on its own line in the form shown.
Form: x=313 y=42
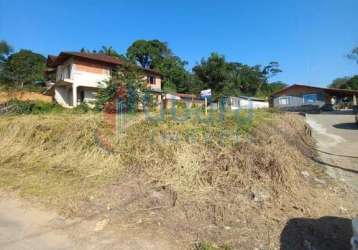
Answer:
x=22 y=69
x=26 y=69
x=215 y=72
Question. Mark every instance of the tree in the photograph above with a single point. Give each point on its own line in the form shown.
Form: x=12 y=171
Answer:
x=109 y=51
x=148 y=54
x=345 y=83
x=5 y=50
x=128 y=76
x=24 y=67
x=268 y=89
x=354 y=54
x=272 y=69
x=339 y=83
x=154 y=54
x=234 y=78
x=213 y=72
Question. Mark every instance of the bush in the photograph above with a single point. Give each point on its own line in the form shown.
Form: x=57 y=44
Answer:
x=82 y=108
x=32 y=107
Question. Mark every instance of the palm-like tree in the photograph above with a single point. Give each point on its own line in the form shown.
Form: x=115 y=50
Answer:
x=5 y=50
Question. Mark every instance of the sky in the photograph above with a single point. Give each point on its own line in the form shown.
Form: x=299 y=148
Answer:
x=309 y=38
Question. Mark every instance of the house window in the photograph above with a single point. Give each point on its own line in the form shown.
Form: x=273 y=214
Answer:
x=151 y=79
x=285 y=100
x=309 y=99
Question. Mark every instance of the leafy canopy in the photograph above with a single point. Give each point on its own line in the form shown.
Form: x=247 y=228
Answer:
x=24 y=67
x=154 y=54
x=234 y=78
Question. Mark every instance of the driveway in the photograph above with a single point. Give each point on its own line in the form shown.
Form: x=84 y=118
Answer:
x=337 y=143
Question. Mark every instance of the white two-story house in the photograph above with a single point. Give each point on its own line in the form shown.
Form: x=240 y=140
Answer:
x=76 y=76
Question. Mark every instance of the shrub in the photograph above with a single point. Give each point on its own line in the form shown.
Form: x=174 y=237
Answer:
x=82 y=108
x=32 y=107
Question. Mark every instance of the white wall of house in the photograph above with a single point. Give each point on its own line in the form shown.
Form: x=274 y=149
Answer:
x=89 y=79
x=242 y=103
x=63 y=96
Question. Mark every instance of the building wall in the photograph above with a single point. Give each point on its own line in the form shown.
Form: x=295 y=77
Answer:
x=157 y=83
x=63 y=95
x=295 y=96
x=237 y=102
x=89 y=74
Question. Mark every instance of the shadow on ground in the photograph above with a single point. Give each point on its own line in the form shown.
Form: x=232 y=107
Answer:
x=347 y=125
x=325 y=233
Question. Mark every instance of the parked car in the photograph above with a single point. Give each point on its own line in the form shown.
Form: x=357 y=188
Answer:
x=355 y=111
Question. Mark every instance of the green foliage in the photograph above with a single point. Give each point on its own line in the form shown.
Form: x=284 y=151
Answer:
x=105 y=94
x=205 y=245
x=5 y=50
x=108 y=51
x=345 y=83
x=268 y=89
x=129 y=76
x=24 y=67
x=33 y=107
x=82 y=108
x=233 y=78
x=148 y=54
x=339 y=82
x=154 y=54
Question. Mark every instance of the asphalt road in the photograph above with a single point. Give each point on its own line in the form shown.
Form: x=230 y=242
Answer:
x=336 y=134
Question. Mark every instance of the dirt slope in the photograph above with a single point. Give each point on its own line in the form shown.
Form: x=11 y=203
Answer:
x=232 y=183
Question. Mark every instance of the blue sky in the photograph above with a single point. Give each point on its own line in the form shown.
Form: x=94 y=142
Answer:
x=308 y=38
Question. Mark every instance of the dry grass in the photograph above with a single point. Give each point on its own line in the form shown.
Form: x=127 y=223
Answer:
x=195 y=179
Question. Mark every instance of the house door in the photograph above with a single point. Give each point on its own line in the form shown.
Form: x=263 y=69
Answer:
x=82 y=96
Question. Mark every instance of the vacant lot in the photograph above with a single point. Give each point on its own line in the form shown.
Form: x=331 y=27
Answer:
x=231 y=182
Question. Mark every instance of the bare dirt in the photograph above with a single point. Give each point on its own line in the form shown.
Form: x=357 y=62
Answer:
x=26 y=225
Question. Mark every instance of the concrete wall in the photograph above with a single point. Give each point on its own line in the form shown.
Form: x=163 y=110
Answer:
x=63 y=96
x=242 y=103
x=89 y=74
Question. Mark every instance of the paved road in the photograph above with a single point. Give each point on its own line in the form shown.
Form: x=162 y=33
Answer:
x=337 y=142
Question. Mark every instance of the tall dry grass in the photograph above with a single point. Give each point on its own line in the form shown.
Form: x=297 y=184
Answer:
x=57 y=157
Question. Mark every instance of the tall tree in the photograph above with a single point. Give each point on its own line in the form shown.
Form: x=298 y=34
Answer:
x=154 y=54
x=234 y=78
x=5 y=50
x=148 y=54
x=24 y=67
x=213 y=72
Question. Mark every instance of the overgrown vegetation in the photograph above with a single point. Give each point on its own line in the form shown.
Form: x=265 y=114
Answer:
x=197 y=179
x=18 y=107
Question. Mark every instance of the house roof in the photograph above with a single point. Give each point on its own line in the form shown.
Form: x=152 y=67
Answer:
x=328 y=90
x=53 y=61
